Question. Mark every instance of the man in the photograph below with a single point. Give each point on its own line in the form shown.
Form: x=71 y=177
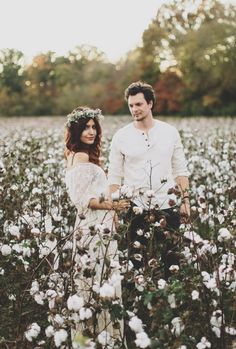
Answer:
x=147 y=156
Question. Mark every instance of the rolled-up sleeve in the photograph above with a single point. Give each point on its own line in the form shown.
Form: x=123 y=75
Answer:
x=116 y=162
x=179 y=163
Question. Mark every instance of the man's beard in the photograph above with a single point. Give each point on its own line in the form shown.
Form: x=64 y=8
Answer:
x=139 y=117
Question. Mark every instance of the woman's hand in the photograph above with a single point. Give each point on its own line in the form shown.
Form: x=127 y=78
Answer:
x=108 y=204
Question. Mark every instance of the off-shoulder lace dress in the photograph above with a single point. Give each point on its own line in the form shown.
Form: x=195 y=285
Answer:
x=84 y=182
x=93 y=243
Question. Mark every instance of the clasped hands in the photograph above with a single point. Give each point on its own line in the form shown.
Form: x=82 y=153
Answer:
x=118 y=205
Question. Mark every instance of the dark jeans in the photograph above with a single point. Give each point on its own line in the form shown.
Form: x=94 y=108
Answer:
x=169 y=220
x=157 y=242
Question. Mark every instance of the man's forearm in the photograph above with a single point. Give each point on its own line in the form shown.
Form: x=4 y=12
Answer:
x=183 y=184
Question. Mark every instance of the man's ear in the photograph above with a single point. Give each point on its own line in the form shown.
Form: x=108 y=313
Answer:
x=151 y=104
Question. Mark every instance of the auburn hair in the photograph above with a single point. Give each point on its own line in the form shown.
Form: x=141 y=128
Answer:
x=73 y=135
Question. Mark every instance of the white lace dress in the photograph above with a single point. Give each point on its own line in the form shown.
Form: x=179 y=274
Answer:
x=86 y=181
x=93 y=243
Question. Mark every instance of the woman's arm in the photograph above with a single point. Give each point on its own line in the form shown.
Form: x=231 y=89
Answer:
x=108 y=204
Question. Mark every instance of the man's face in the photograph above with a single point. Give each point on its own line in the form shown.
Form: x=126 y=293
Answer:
x=139 y=108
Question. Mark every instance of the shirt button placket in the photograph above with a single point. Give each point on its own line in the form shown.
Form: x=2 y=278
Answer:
x=146 y=139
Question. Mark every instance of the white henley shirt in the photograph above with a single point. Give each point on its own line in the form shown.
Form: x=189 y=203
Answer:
x=147 y=161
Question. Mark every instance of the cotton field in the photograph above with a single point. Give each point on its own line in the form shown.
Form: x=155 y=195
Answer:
x=41 y=306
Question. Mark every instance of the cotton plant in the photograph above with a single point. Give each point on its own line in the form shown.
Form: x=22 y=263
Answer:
x=142 y=340
x=75 y=309
x=192 y=308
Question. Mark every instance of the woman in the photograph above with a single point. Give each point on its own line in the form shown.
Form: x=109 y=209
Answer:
x=96 y=277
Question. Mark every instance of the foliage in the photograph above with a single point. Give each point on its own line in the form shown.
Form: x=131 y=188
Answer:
x=187 y=53
x=198 y=40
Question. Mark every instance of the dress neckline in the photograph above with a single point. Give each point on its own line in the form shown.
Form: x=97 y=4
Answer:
x=81 y=163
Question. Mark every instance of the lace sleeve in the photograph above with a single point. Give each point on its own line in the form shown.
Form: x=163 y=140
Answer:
x=81 y=184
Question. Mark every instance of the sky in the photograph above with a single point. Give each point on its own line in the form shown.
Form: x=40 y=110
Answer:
x=113 y=26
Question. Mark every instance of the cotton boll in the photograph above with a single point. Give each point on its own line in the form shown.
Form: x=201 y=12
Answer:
x=107 y=291
x=136 y=324
x=171 y=300
x=224 y=234
x=104 y=338
x=75 y=302
x=14 y=231
x=5 y=250
x=49 y=331
x=142 y=340
x=59 y=319
x=195 y=295
x=85 y=313
x=161 y=284
x=203 y=344
x=216 y=322
x=32 y=332
x=178 y=326
x=174 y=268
x=35 y=231
x=96 y=287
x=60 y=337
x=137 y=210
x=191 y=235
x=230 y=330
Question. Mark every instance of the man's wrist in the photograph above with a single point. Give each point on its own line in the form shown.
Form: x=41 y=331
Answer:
x=185 y=200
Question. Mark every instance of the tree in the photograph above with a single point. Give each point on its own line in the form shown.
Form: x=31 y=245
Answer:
x=11 y=82
x=87 y=78
x=206 y=57
x=11 y=70
x=197 y=39
x=41 y=85
x=168 y=90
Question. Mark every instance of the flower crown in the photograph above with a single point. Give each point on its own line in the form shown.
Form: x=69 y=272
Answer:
x=85 y=113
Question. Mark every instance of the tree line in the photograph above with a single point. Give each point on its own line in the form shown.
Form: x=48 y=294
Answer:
x=188 y=54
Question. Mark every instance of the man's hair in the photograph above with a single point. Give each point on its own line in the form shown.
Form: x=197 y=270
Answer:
x=141 y=87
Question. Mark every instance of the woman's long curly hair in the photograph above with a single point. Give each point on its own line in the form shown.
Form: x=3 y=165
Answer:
x=73 y=135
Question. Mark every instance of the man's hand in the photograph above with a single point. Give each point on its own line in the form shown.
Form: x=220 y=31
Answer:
x=121 y=205
x=185 y=211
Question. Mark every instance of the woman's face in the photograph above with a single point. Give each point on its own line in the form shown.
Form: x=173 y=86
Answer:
x=89 y=134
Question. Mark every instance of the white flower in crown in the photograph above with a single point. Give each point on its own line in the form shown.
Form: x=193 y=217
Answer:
x=85 y=113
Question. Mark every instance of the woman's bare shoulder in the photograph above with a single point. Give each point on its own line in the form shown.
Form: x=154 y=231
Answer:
x=80 y=157
x=76 y=159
